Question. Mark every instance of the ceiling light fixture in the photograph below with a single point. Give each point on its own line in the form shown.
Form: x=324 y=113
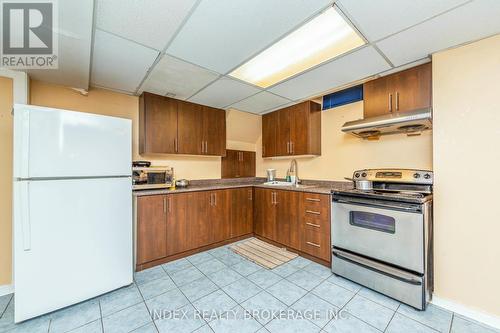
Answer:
x=326 y=36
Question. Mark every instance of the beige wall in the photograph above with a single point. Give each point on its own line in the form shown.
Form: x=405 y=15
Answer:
x=6 y=98
x=466 y=165
x=341 y=153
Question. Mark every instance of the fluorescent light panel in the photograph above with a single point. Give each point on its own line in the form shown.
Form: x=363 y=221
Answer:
x=326 y=36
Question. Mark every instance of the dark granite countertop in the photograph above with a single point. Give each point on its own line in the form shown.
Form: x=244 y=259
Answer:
x=310 y=186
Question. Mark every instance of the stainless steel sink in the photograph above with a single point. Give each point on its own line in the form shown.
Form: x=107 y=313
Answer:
x=287 y=184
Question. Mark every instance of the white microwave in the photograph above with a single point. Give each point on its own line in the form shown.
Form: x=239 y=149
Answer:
x=147 y=178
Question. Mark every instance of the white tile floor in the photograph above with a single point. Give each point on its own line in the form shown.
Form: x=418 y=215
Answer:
x=236 y=295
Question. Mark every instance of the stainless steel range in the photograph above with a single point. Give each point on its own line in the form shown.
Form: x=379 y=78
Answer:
x=382 y=238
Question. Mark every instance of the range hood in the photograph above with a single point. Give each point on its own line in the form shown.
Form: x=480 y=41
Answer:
x=411 y=123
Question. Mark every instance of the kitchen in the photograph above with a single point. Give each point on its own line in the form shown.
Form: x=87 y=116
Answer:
x=203 y=271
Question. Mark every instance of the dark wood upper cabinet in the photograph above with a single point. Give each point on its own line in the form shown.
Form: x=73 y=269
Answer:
x=400 y=92
x=190 y=128
x=151 y=228
x=157 y=124
x=294 y=130
x=214 y=131
x=238 y=163
x=270 y=123
x=170 y=126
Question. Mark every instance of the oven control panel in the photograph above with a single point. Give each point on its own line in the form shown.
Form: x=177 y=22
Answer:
x=410 y=176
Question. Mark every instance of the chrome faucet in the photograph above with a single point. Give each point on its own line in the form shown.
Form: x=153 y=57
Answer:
x=295 y=170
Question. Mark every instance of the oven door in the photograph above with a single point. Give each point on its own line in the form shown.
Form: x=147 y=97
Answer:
x=392 y=232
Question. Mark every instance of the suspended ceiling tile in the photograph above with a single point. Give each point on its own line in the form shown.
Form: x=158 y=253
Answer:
x=152 y=23
x=260 y=102
x=118 y=63
x=177 y=77
x=222 y=34
x=381 y=18
x=467 y=23
x=349 y=68
x=224 y=92
x=75 y=42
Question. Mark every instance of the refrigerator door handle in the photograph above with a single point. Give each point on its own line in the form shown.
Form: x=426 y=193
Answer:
x=25 y=216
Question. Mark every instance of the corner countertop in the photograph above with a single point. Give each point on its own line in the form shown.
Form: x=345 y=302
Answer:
x=310 y=186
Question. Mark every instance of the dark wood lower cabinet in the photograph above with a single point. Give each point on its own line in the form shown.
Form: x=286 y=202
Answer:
x=276 y=216
x=173 y=224
x=151 y=228
x=264 y=213
x=241 y=211
x=219 y=215
x=177 y=229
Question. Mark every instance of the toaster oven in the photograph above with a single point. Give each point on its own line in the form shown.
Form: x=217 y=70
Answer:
x=146 y=178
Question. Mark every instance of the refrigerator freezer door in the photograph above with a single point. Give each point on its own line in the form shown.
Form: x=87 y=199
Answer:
x=72 y=241
x=51 y=143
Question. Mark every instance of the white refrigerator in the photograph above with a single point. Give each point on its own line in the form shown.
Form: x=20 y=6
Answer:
x=72 y=213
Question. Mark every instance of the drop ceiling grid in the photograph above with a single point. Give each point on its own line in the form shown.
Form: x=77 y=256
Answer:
x=111 y=54
x=353 y=20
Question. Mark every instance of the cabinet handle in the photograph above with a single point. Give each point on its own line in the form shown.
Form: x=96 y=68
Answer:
x=292 y=148
x=397 y=100
x=206 y=147
x=202 y=147
x=313 y=199
x=215 y=199
x=288 y=147
x=164 y=205
x=313 y=244
x=250 y=196
x=313 y=225
x=169 y=204
x=390 y=102
x=313 y=212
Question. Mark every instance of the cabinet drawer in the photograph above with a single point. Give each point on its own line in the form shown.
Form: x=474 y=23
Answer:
x=316 y=224
x=316 y=243
x=315 y=206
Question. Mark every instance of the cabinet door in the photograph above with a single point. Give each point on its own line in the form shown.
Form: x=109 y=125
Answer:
x=247 y=164
x=299 y=129
x=283 y=140
x=412 y=88
x=270 y=123
x=177 y=232
x=378 y=97
x=287 y=221
x=190 y=128
x=241 y=211
x=199 y=224
x=220 y=215
x=151 y=228
x=158 y=124
x=230 y=164
x=264 y=213
x=214 y=131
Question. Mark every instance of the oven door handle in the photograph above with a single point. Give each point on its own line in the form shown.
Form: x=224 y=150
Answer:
x=406 y=208
x=376 y=267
